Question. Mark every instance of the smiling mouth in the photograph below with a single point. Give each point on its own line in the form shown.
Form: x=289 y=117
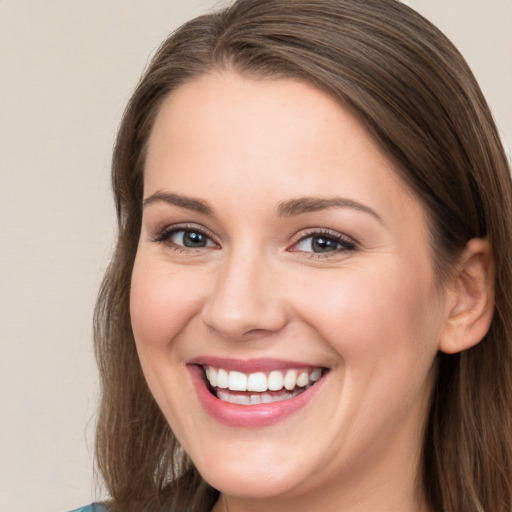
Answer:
x=259 y=387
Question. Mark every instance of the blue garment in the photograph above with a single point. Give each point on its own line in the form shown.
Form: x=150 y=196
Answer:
x=94 y=507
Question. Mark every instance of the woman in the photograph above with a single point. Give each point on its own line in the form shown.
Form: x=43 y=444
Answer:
x=309 y=303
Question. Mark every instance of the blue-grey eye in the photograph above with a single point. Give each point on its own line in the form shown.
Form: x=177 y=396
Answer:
x=318 y=244
x=190 y=238
x=324 y=243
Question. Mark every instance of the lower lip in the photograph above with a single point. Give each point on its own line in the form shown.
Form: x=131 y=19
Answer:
x=259 y=415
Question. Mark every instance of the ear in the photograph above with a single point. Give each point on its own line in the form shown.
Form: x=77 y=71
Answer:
x=469 y=298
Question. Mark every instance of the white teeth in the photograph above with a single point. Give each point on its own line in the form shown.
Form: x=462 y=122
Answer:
x=290 y=380
x=266 y=398
x=275 y=380
x=302 y=379
x=315 y=374
x=255 y=399
x=223 y=395
x=259 y=382
x=222 y=379
x=240 y=399
x=260 y=398
x=237 y=381
x=211 y=375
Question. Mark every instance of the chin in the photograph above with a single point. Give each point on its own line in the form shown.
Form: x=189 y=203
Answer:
x=253 y=483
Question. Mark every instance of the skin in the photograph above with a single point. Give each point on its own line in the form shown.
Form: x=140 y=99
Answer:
x=370 y=310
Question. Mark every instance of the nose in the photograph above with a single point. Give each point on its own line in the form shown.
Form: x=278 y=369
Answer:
x=245 y=299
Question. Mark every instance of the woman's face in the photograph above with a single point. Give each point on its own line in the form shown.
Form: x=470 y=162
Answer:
x=280 y=252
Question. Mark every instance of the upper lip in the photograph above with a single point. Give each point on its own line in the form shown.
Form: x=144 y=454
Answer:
x=250 y=365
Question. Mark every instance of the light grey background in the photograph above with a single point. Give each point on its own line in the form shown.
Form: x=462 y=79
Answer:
x=67 y=68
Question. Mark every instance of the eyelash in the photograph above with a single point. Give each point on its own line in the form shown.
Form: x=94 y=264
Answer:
x=346 y=244
x=163 y=236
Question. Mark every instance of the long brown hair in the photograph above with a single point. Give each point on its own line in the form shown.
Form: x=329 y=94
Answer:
x=417 y=97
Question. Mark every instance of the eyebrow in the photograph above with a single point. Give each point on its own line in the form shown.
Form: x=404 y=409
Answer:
x=289 y=208
x=302 y=205
x=190 y=203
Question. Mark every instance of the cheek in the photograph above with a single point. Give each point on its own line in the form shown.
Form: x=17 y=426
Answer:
x=382 y=313
x=161 y=302
x=384 y=333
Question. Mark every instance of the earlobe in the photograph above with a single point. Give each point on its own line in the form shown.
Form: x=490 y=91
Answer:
x=469 y=298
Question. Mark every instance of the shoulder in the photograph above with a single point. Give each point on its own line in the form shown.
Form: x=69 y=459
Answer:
x=94 y=507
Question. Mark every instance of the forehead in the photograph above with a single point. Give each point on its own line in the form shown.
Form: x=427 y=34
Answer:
x=274 y=138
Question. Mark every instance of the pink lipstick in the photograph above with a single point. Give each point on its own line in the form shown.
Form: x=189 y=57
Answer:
x=254 y=393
